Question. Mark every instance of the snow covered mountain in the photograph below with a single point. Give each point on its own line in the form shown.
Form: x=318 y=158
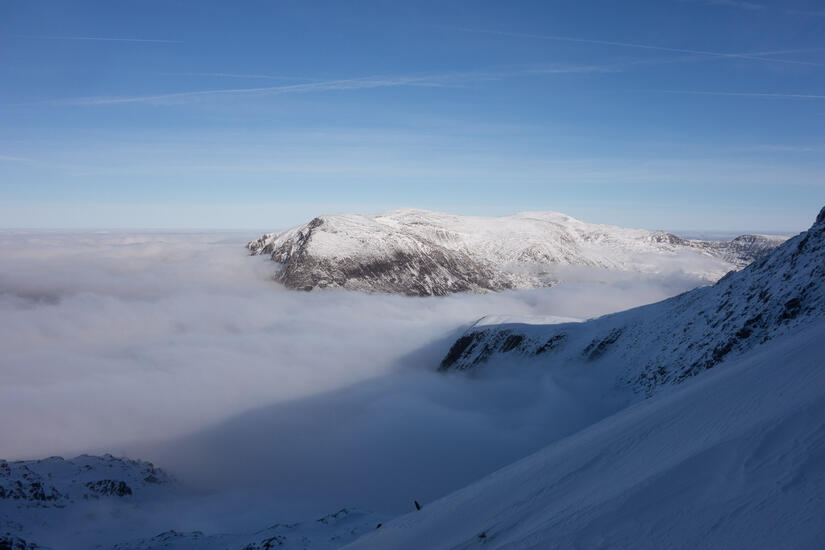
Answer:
x=113 y=503
x=38 y=496
x=422 y=253
x=664 y=343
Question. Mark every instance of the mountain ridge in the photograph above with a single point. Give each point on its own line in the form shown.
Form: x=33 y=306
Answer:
x=664 y=343
x=424 y=253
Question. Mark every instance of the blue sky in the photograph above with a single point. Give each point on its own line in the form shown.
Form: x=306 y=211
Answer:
x=672 y=114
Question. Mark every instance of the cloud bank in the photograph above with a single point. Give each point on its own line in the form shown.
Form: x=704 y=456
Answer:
x=181 y=349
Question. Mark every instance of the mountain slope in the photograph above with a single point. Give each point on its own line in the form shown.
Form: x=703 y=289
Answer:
x=734 y=459
x=664 y=343
x=421 y=253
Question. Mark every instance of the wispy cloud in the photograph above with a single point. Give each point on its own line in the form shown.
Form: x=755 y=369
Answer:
x=349 y=84
x=784 y=148
x=767 y=95
x=328 y=85
x=248 y=76
x=11 y=158
x=652 y=47
x=106 y=39
x=750 y=6
x=812 y=13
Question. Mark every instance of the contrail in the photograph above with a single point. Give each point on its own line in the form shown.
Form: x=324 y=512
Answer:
x=638 y=46
x=739 y=94
x=106 y=39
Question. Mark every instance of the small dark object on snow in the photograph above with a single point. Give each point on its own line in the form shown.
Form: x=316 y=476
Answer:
x=417 y=506
x=379 y=526
x=483 y=535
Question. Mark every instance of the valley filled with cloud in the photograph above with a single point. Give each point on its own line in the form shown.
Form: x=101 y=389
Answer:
x=180 y=348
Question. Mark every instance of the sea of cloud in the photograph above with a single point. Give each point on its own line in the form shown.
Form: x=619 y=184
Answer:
x=179 y=347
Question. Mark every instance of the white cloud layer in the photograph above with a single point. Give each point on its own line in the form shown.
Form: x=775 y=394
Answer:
x=131 y=343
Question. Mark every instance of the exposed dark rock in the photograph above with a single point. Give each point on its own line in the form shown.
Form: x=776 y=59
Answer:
x=552 y=343
x=596 y=348
x=511 y=342
x=11 y=542
x=456 y=351
x=109 y=488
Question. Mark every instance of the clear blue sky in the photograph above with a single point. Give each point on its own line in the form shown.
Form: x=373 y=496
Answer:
x=673 y=114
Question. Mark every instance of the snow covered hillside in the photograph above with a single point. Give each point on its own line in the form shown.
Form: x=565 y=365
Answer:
x=122 y=504
x=49 y=499
x=423 y=253
x=664 y=343
x=733 y=459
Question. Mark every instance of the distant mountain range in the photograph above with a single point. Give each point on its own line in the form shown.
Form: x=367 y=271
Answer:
x=423 y=253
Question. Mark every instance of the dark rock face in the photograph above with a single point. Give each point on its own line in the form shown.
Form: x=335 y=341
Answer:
x=437 y=274
x=668 y=342
x=26 y=485
x=109 y=488
x=9 y=542
x=598 y=347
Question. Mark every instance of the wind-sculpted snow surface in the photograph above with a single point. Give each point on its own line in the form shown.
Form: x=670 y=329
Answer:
x=423 y=253
x=664 y=343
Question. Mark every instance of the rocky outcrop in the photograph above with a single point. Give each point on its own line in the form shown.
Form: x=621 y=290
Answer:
x=10 y=542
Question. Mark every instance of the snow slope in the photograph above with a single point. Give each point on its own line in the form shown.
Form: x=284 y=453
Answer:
x=660 y=344
x=734 y=459
x=419 y=252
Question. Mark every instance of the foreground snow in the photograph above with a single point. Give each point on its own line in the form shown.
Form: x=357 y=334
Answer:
x=418 y=252
x=734 y=459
